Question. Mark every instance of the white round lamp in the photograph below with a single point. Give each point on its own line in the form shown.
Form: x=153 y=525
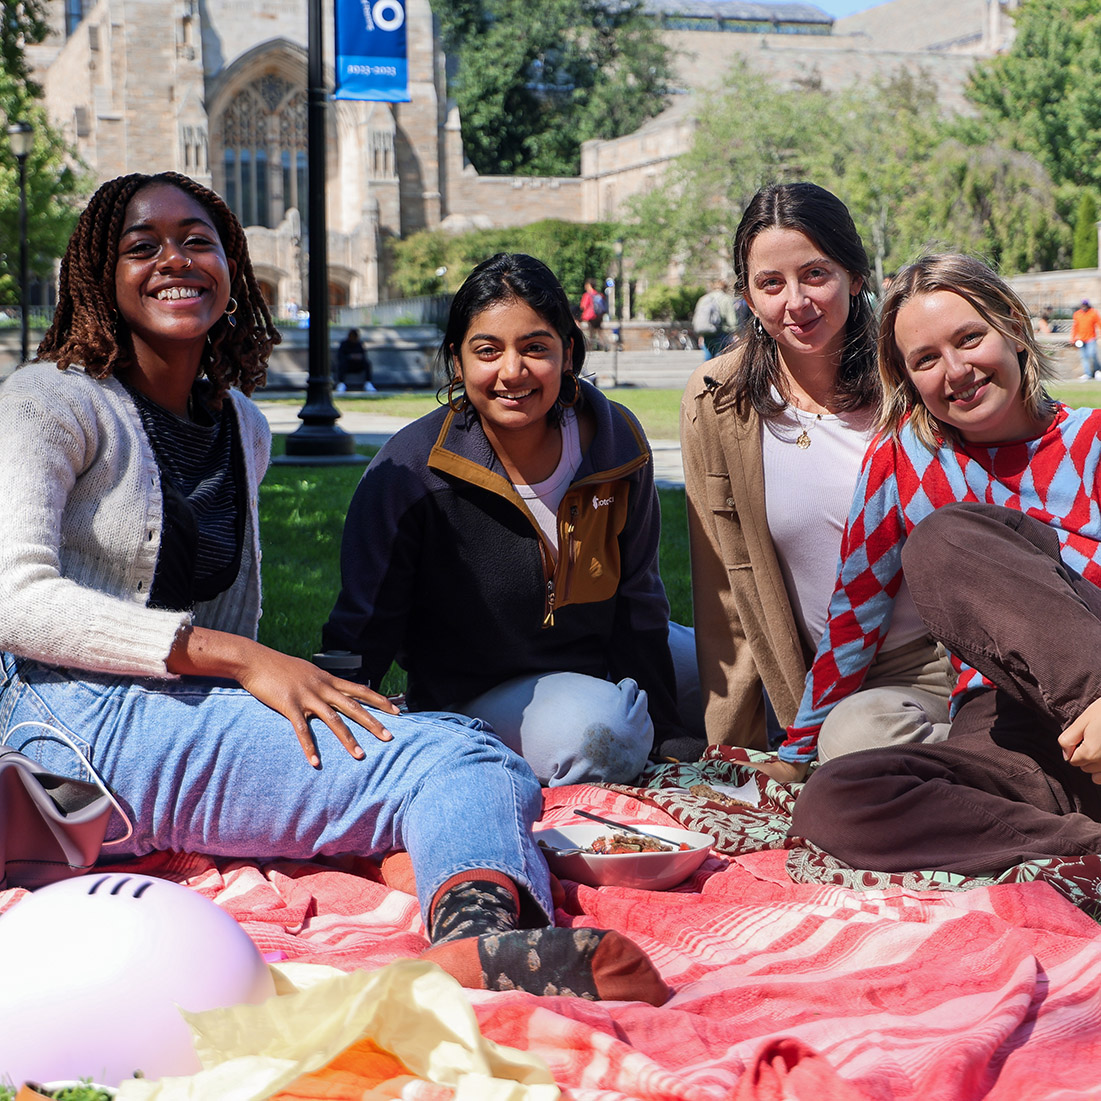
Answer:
x=94 y=968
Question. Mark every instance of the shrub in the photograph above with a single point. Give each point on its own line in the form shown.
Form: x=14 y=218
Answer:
x=663 y=303
x=574 y=252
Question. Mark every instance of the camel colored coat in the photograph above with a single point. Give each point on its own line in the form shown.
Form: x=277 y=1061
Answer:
x=746 y=633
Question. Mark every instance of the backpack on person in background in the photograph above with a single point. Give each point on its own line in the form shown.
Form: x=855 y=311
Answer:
x=600 y=305
x=707 y=317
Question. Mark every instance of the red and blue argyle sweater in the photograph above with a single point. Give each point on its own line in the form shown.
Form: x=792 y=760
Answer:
x=1053 y=478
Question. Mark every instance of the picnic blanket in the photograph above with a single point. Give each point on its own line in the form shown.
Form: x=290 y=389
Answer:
x=794 y=976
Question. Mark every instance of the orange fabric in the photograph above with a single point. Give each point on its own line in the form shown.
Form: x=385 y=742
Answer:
x=1085 y=325
x=397 y=872
x=460 y=959
x=362 y=1072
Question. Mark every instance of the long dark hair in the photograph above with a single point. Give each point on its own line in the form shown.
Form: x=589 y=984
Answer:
x=87 y=329
x=823 y=218
x=503 y=276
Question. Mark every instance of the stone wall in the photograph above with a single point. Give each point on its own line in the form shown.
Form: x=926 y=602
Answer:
x=1062 y=290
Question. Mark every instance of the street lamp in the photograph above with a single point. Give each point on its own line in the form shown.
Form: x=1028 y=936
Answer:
x=21 y=138
x=617 y=249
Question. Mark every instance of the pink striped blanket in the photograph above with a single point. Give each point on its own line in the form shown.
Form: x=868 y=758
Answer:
x=794 y=977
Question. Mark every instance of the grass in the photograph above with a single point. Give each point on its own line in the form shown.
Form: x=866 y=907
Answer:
x=1077 y=394
x=85 y=1091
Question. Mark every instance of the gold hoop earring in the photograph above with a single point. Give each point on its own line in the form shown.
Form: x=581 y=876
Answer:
x=463 y=401
x=231 y=309
x=575 y=396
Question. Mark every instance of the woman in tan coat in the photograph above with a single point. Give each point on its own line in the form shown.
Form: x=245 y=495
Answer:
x=773 y=435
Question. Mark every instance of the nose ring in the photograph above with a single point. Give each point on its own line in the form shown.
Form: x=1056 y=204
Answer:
x=188 y=264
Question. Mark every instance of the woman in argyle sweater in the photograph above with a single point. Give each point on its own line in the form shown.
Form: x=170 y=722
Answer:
x=984 y=492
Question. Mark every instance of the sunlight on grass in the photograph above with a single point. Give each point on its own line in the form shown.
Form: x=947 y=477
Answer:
x=658 y=411
x=1078 y=394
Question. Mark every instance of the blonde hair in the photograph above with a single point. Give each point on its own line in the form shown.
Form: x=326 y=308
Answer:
x=994 y=300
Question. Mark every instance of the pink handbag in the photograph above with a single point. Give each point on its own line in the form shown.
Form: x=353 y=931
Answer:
x=51 y=827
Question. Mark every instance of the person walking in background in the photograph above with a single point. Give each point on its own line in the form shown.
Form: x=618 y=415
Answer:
x=717 y=318
x=353 y=363
x=1085 y=326
x=593 y=308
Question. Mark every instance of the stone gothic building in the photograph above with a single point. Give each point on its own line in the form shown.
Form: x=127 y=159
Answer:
x=217 y=89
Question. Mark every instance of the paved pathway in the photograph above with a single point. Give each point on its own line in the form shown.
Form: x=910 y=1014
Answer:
x=376 y=428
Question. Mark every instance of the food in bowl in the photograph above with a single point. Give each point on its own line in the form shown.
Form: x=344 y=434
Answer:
x=618 y=843
x=569 y=853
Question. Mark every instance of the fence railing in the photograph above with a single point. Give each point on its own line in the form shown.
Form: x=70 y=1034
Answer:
x=38 y=317
x=428 y=309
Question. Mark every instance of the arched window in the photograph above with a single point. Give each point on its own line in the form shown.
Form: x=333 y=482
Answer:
x=264 y=143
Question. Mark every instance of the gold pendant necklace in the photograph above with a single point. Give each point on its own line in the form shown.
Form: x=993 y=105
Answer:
x=803 y=440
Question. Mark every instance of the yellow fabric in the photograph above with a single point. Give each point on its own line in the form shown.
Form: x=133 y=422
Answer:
x=415 y=1018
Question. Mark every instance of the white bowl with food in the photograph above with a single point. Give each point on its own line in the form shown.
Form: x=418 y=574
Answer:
x=569 y=850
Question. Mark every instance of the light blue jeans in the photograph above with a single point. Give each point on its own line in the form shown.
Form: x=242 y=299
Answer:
x=201 y=766
x=1088 y=354
x=576 y=729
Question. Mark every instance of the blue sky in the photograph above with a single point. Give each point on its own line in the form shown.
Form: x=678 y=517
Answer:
x=838 y=8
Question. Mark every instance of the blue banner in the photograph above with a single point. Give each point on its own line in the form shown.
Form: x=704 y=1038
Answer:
x=371 y=59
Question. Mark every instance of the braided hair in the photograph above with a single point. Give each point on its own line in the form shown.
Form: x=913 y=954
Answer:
x=87 y=329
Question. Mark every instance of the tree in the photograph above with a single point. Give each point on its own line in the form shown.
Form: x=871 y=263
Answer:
x=1043 y=94
x=22 y=22
x=910 y=177
x=55 y=181
x=572 y=251
x=749 y=132
x=533 y=81
x=1085 y=233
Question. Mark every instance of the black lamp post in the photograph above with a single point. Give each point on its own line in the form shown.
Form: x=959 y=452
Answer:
x=21 y=138
x=318 y=441
x=617 y=249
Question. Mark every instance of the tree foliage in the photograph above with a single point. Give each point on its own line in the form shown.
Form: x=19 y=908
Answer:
x=22 y=23
x=660 y=302
x=55 y=182
x=573 y=252
x=905 y=171
x=533 y=81
x=1042 y=95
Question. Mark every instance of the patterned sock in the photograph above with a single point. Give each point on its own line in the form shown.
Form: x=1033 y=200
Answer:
x=397 y=872
x=596 y=964
x=468 y=907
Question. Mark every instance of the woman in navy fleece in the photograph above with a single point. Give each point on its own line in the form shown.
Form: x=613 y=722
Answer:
x=504 y=548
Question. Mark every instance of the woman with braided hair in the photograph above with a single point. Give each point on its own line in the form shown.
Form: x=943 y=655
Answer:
x=130 y=460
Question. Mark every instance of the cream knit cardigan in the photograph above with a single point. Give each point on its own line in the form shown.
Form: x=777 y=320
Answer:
x=81 y=521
